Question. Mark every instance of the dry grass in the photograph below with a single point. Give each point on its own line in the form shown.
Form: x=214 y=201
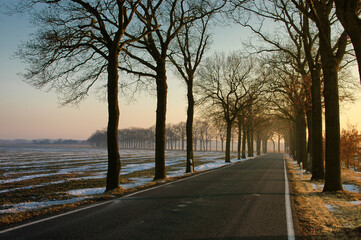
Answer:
x=325 y=215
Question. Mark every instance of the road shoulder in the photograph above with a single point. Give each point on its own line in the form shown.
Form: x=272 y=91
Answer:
x=323 y=215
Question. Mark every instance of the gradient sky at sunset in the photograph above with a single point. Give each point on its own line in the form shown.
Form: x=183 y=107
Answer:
x=29 y=113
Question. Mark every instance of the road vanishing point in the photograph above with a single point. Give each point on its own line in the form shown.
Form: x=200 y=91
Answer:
x=246 y=200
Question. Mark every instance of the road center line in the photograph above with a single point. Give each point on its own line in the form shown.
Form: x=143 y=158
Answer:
x=290 y=230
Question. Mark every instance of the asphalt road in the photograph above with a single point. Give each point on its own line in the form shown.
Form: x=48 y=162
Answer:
x=242 y=201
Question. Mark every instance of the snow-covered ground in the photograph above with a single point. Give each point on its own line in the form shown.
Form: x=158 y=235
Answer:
x=27 y=206
x=19 y=165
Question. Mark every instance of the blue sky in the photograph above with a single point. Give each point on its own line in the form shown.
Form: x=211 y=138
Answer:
x=29 y=113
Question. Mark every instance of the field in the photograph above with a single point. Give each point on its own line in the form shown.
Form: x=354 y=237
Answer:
x=37 y=180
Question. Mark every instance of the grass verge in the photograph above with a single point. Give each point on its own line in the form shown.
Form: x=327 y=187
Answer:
x=325 y=215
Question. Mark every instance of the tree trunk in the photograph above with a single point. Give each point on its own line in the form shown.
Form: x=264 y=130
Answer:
x=264 y=145
x=160 y=132
x=251 y=137
x=332 y=116
x=189 y=127
x=301 y=138
x=258 y=143
x=249 y=143
x=239 y=140
x=183 y=143
x=332 y=126
x=318 y=170
x=113 y=174
x=228 y=141
x=244 y=139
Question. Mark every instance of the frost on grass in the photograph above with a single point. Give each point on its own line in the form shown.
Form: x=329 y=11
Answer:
x=316 y=186
x=331 y=208
x=28 y=206
x=32 y=186
x=136 y=182
x=86 y=191
x=351 y=188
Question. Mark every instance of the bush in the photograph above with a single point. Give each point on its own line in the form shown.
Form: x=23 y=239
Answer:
x=350 y=147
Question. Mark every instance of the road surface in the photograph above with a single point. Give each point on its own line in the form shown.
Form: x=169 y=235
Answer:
x=241 y=201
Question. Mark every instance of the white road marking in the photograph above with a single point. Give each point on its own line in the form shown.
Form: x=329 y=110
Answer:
x=290 y=230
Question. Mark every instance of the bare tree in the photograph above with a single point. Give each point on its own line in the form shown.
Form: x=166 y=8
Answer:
x=219 y=127
x=78 y=42
x=170 y=136
x=180 y=130
x=223 y=86
x=191 y=45
x=150 y=54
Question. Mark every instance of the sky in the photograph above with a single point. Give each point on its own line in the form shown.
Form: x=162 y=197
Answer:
x=29 y=113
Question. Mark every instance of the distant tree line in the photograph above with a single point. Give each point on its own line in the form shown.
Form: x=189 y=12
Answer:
x=207 y=137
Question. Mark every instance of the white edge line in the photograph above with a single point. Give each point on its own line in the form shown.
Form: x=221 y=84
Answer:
x=115 y=199
x=290 y=229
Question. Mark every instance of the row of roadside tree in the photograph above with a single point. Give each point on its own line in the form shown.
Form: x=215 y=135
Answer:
x=292 y=71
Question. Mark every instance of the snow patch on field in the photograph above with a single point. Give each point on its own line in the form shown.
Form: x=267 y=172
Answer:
x=330 y=207
x=86 y=191
x=23 y=207
x=33 y=186
x=351 y=188
x=208 y=166
x=136 y=182
x=316 y=186
x=27 y=177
